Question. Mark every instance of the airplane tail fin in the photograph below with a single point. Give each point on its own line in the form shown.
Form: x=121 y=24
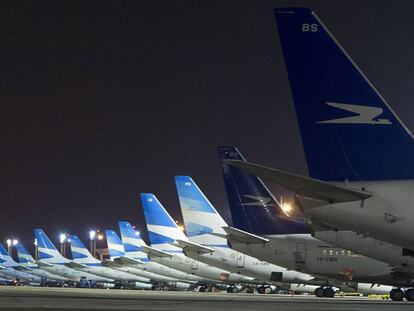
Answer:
x=46 y=250
x=349 y=132
x=162 y=230
x=80 y=253
x=252 y=205
x=115 y=247
x=201 y=219
x=23 y=254
x=132 y=241
x=5 y=257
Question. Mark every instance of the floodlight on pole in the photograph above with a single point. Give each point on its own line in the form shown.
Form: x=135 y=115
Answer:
x=36 y=249
x=92 y=247
x=15 y=242
x=92 y=234
x=9 y=243
x=62 y=240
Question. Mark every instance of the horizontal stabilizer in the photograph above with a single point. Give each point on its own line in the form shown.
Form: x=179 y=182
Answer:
x=129 y=261
x=194 y=247
x=240 y=236
x=110 y=263
x=21 y=268
x=153 y=252
x=43 y=264
x=75 y=265
x=301 y=185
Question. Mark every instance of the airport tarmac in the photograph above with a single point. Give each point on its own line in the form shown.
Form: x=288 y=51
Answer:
x=34 y=299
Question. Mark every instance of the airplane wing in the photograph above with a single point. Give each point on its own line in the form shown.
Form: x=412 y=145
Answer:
x=194 y=247
x=153 y=252
x=240 y=236
x=301 y=185
x=44 y=264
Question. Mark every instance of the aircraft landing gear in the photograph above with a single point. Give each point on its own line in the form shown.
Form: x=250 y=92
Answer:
x=319 y=292
x=397 y=294
x=409 y=294
x=327 y=292
x=232 y=289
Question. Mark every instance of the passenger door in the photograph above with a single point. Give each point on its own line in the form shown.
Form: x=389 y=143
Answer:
x=240 y=260
x=300 y=252
x=194 y=264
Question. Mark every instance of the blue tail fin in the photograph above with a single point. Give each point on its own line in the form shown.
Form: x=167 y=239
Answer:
x=203 y=223
x=348 y=130
x=115 y=246
x=161 y=227
x=162 y=230
x=132 y=241
x=23 y=254
x=80 y=253
x=47 y=251
x=5 y=259
x=253 y=207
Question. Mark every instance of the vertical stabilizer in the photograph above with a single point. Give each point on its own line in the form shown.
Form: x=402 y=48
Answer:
x=349 y=131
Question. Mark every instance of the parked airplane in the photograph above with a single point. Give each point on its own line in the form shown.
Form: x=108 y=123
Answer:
x=358 y=151
x=116 y=251
x=163 y=233
x=134 y=244
x=207 y=242
x=255 y=211
x=7 y=265
x=84 y=261
x=52 y=261
x=27 y=264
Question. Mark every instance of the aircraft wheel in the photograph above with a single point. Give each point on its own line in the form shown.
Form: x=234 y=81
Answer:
x=396 y=294
x=319 y=292
x=409 y=294
x=230 y=289
x=202 y=289
x=261 y=290
x=328 y=292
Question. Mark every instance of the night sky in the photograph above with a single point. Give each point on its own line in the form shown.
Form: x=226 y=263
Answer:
x=102 y=100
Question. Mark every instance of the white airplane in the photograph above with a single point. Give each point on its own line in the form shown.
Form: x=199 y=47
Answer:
x=163 y=233
x=27 y=264
x=134 y=244
x=8 y=265
x=207 y=243
x=84 y=261
x=358 y=151
x=264 y=229
x=120 y=261
x=52 y=261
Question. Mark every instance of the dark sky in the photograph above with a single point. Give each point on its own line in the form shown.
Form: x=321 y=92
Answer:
x=102 y=100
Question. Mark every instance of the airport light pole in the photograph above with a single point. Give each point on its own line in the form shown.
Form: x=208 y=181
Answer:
x=9 y=243
x=36 y=249
x=62 y=240
x=92 y=235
